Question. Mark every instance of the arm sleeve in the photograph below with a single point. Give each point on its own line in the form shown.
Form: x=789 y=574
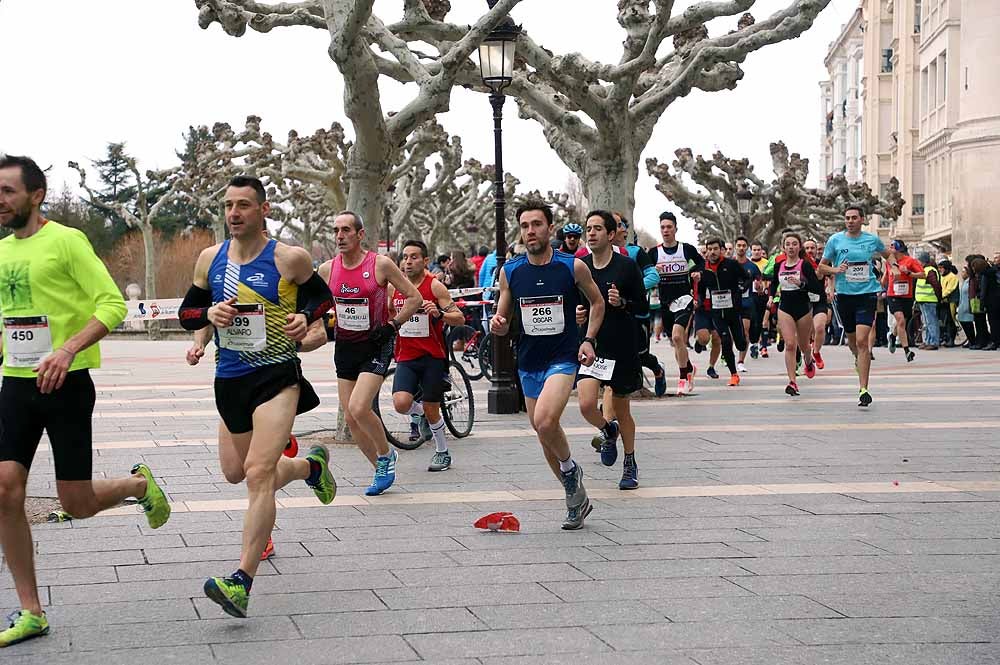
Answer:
x=317 y=296
x=813 y=284
x=193 y=312
x=94 y=279
x=772 y=287
x=638 y=302
x=691 y=253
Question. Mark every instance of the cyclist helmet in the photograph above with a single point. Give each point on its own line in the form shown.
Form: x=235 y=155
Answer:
x=572 y=229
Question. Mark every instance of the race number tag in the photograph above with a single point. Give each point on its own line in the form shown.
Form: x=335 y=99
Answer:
x=858 y=271
x=352 y=314
x=813 y=297
x=681 y=303
x=601 y=369
x=542 y=315
x=789 y=281
x=722 y=299
x=654 y=297
x=27 y=339
x=417 y=325
x=902 y=288
x=249 y=330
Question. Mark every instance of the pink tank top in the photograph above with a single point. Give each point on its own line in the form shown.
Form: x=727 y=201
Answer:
x=361 y=304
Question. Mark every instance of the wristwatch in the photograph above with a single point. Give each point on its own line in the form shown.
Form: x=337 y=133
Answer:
x=593 y=341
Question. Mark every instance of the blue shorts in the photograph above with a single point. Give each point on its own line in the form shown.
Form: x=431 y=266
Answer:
x=532 y=382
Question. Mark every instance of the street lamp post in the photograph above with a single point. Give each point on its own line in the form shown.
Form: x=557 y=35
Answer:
x=496 y=63
x=743 y=199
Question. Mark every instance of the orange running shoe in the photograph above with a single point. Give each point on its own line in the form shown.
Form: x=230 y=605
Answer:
x=819 y=361
x=763 y=352
x=734 y=380
x=268 y=550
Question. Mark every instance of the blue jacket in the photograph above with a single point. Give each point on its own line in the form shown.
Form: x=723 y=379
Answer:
x=487 y=272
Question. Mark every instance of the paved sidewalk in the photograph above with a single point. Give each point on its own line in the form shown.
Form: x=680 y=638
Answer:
x=766 y=530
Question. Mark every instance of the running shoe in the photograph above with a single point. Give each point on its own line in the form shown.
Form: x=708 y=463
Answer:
x=424 y=426
x=699 y=347
x=230 y=594
x=577 y=504
x=154 y=503
x=440 y=462
x=711 y=372
x=818 y=359
x=268 y=550
x=660 y=383
x=754 y=351
x=683 y=388
x=763 y=352
x=325 y=486
x=609 y=445
x=385 y=474
x=630 y=474
x=864 y=398
x=292 y=447
x=810 y=370
x=23 y=626
x=910 y=355
x=792 y=389
x=892 y=343
x=414 y=431
x=781 y=345
x=734 y=380
x=741 y=368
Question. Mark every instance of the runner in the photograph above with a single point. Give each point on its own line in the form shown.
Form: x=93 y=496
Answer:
x=572 y=233
x=903 y=271
x=758 y=334
x=720 y=289
x=421 y=362
x=58 y=301
x=857 y=289
x=249 y=289
x=820 y=305
x=621 y=285
x=748 y=309
x=678 y=265
x=365 y=337
x=546 y=286
x=797 y=279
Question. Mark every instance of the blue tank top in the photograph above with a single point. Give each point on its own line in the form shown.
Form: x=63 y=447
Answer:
x=265 y=299
x=545 y=298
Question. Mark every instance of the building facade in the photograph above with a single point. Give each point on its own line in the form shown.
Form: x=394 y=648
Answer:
x=840 y=104
x=930 y=117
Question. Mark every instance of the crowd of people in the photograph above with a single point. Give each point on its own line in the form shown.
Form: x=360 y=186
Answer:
x=583 y=316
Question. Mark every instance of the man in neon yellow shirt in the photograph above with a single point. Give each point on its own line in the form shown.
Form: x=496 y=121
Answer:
x=57 y=300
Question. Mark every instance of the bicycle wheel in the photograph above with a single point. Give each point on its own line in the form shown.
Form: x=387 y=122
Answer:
x=467 y=355
x=485 y=359
x=396 y=425
x=458 y=405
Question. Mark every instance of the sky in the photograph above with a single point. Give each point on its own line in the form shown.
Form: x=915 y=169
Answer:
x=141 y=72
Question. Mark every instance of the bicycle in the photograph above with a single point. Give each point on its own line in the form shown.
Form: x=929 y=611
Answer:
x=473 y=345
x=457 y=407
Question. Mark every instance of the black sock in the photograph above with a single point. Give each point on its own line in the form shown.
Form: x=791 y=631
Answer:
x=315 y=469
x=687 y=369
x=243 y=579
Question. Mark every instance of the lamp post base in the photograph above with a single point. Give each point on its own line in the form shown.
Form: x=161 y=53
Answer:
x=503 y=399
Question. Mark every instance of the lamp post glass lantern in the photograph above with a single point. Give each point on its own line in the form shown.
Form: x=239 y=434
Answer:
x=744 y=199
x=496 y=65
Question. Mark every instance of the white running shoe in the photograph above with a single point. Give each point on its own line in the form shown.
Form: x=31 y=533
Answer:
x=741 y=368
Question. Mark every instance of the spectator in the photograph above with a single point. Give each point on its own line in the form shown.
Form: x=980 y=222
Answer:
x=982 y=338
x=964 y=312
x=949 y=302
x=440 y=267
x=928 y=295
x=459 y=274
x=478 y=259
x=487 y=273
x=989 y=284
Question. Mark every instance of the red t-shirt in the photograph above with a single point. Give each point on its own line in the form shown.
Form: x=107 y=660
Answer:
x=901 y=286
x=422 y=335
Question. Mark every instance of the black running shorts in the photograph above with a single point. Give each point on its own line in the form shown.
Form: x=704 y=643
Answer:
x=354 y=358
x=856 y=310
x=904 y=305
x=626 y=378
x=64 y=414
x=238 y=397
x=425 y=374
x=671 y=319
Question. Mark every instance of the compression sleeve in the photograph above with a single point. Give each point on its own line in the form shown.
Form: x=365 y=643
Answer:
x=318 y=298
x=193 y=313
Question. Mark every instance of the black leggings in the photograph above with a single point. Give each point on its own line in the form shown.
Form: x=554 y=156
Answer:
x=993 y=315
x=970 y=331
x=729 y=324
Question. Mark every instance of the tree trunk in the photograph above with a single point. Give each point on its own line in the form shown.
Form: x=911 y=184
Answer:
x=219 y=229
x=610 y=185
x=367 y=198
x=152 y=327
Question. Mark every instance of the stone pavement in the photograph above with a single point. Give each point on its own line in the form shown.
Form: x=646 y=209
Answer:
x=766 y=530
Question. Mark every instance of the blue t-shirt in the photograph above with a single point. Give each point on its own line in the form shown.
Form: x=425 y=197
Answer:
x=545 y=298
x=754 y=272
x=857 y=253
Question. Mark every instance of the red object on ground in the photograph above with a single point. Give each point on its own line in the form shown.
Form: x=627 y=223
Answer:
x=502 y=521
x=292 y=449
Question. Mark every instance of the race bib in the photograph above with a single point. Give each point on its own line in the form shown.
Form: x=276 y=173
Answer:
x=746 y=294
x=417 y=325
x=813 y=297
x=654 y=297
x=27 y=339
x=722 y=299
x=601 y=369
x=786 y=281
x=352 y=314
x=681 y=303
x=858 y=271
x=249 y=330
x=542 y=315
x=902 y=288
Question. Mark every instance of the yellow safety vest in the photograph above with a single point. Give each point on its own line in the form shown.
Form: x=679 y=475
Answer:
x=924 y=291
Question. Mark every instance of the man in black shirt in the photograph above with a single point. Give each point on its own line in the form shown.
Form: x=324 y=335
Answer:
x=720 y=292
x=620 y=282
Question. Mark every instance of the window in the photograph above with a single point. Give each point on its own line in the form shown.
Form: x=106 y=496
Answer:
x=923 y=92
x=916 y=16
x=942 y=78
x=886 y=60
x=918 y=204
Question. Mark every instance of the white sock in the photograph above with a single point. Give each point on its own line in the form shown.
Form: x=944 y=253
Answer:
x=437 y=429
x=567 y=464
x=416 y=409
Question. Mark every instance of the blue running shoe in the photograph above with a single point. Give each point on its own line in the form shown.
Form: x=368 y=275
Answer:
x=630 y=474
x=385 y=474
x=609 y=446
x=660 y=386
x=712 y=373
